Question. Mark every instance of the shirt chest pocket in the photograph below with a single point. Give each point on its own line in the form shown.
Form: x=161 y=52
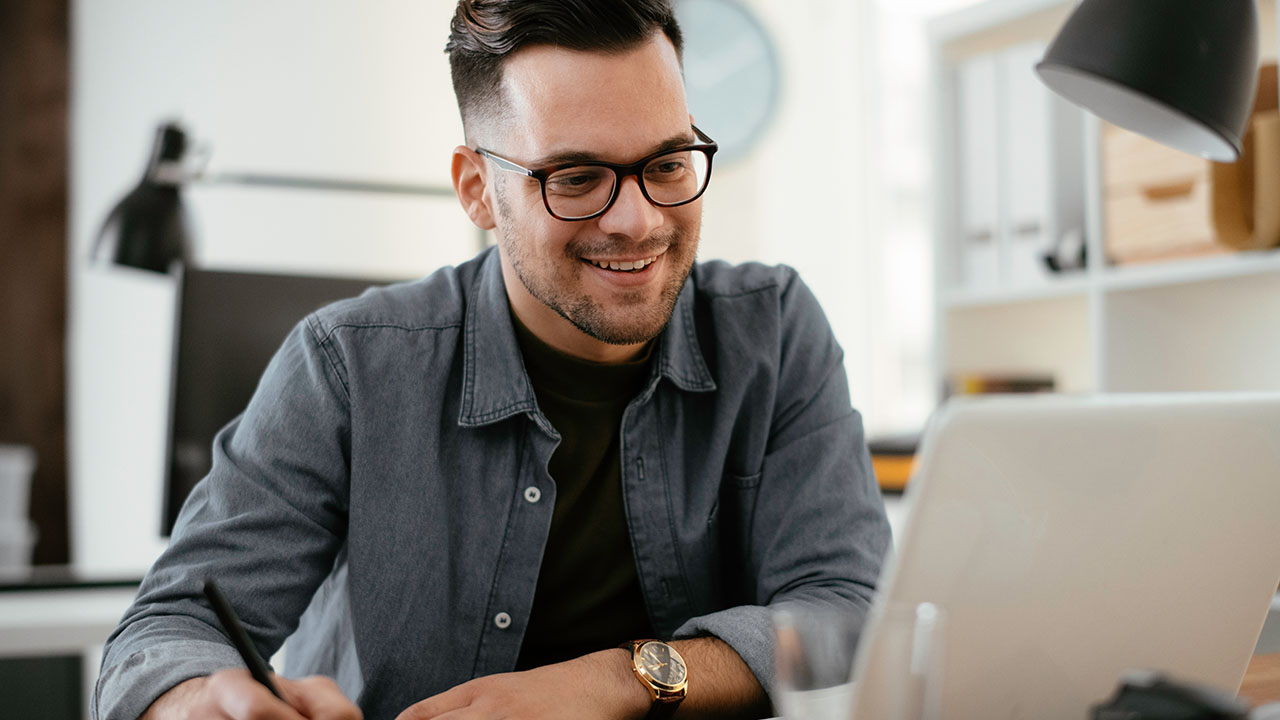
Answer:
x=729 y=530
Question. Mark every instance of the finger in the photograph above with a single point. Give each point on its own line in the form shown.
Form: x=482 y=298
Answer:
x=236 y=694
x=320 y=698
x=437 y=705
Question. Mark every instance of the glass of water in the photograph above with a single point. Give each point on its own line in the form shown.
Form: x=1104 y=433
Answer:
x=902 y=679
x=814 y=651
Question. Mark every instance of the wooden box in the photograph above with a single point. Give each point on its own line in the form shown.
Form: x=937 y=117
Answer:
x=1157 y=201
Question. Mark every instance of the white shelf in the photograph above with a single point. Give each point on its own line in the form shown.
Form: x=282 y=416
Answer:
x=1182 y=272
x=1197 y=324
x=1169 y=273
x=1075 y=283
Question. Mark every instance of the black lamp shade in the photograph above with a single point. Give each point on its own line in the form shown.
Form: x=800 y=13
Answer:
x=1181 y=72
x=148 y=228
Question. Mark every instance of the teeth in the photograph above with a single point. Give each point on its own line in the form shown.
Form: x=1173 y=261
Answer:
x=626 y=264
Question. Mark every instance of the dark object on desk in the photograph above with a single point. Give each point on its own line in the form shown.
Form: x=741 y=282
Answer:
x=230 y=324
x=148 y=228
x=1181 y=72
x=1151 y=696
x=258 y=667
x=42 y=688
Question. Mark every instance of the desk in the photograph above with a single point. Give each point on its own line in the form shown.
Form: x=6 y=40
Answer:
x=56 y=612
x=48 y=618
x=41 y=616
x=1262 y=679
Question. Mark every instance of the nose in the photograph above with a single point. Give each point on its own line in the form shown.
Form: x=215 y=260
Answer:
x=632 y=214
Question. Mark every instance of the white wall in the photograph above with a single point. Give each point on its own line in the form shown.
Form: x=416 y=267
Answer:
x=289 y=86
x=800 y=199
x=361 y=90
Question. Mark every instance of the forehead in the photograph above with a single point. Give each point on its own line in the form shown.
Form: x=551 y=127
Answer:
x=615 y=105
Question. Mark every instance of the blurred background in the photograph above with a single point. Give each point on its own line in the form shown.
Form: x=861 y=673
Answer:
x=964 y=231
x=829 y=173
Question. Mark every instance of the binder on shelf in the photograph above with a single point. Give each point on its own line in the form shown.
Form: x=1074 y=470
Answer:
x=1020 y=178
x=978 y=174
x=1025 y=164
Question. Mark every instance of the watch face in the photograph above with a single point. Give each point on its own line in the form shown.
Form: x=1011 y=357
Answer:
x=662 y=663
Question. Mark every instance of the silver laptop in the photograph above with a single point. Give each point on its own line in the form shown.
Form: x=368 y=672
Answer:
x=1067 y=540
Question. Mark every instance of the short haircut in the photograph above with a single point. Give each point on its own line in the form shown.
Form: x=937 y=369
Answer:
x=485 y=32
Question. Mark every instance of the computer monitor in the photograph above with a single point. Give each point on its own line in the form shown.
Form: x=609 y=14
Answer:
x=229 y=326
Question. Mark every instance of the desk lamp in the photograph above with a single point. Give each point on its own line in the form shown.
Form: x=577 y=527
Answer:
x=148 y=229
x=1181 y=72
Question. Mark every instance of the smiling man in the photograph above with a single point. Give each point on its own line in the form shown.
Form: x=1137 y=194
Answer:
x=567 y=479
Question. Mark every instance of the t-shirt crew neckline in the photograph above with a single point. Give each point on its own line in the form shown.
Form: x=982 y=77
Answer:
x=571 y=377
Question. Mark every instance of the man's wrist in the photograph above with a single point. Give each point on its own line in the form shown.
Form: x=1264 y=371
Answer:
x=626 y=692
x=175 y=702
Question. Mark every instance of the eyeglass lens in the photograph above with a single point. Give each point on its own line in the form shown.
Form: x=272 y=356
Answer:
x=585 y=190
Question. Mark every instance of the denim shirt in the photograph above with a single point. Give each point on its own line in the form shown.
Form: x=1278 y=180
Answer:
x=386 y=492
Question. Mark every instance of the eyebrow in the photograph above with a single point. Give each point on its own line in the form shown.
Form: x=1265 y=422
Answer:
x=575 y=156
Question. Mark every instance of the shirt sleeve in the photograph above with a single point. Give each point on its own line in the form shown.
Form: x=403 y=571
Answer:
x=267 y=524
x=816 y=533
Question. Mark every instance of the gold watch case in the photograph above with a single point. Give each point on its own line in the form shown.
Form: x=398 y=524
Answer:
x=661 y=668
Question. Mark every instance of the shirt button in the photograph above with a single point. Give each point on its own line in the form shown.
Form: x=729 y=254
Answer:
x=532 y=494
x=502 y=620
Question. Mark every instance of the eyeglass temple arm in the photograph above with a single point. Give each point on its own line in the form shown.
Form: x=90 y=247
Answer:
x=504 y=163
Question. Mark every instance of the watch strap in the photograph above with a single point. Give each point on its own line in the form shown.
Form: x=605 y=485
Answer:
x=663 y=708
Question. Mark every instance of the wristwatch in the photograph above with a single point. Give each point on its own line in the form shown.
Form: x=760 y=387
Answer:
x=661 y=669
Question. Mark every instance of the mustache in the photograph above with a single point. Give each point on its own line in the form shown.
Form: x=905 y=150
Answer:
x=655 y=244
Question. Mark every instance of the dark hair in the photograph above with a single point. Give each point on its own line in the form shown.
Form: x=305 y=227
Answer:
x=484 y=32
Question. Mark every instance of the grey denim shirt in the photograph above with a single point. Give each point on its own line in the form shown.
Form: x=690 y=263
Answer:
x=386 y=492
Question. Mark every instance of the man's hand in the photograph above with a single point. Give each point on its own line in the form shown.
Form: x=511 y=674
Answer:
x=599 y=686
x=235 y=695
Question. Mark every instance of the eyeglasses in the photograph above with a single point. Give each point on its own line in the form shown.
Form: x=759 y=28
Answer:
x=585 y=190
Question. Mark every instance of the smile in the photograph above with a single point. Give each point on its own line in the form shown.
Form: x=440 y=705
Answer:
x=623 y=265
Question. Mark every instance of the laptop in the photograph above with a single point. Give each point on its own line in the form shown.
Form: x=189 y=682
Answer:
x=1066 y=540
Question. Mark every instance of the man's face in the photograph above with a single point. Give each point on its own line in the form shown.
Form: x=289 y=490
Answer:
x=568 y=106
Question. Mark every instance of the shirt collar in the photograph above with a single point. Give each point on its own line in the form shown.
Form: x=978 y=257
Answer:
x=495 y=385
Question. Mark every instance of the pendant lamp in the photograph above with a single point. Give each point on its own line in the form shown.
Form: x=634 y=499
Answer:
x=1181 y=72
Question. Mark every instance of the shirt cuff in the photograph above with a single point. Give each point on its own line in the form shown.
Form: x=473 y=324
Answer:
x=748 y=630
x=126 y=689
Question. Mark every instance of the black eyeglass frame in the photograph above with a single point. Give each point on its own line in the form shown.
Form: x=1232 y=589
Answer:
x=621 y=172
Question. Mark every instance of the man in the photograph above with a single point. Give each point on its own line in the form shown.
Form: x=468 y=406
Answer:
x=480 y=485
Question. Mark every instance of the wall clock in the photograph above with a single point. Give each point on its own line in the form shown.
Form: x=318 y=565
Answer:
x=732 y=73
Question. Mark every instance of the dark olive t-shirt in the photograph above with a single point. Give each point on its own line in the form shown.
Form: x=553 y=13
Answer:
x=588 y=595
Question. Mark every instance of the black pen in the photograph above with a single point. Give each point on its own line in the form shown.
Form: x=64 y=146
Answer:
x=258 y=668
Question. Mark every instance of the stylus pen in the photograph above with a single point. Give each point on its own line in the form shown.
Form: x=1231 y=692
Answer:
x=258 y=668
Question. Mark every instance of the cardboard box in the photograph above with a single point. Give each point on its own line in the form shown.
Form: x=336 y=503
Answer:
x=1246 y=215
x=1156 y=200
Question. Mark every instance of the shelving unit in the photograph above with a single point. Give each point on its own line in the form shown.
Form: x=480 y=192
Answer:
x=1203 y=324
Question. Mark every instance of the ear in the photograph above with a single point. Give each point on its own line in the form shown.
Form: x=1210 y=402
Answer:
x=470 y=183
